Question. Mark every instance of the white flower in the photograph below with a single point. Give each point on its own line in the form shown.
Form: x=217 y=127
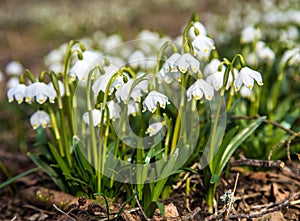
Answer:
x=199 y=88
x=82 y=67
x=135 y=92
x=133 y=108
x=203 y=46
x=249 y=34
x=40 y=91
x=14 y=68
x=154 y=128
x=247 y=76
x=96 y=117
x=170 y=65
x=101 y=83
x=52 y=92
x=12 y=82
x=111 y=42
x=114 y=110
x=212 y=67
x=200 y=29
x=291 y=57
x=17 y=93
x=136 y=59
x=154 y=98
x=216 y=79
x=245 y=92
x=263 y=52
x=188 y=62
x=39 y=118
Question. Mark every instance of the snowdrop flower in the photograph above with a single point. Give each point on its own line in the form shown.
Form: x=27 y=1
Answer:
x=154 y=128
x=188 y=62
x=39 y=118
x=291 y=57
x=114 y=110
x=200 y=29
x=263 y=52
x=249 y=34
x=14 y=68
x=96 y=116
x=101 y=83
x=154 y=98
x=199 y=88
x=53 y=93
x=82 y=67
x=133 y=108
x=216 y=79
x=203 y=46
x=17 y=93
x=40 y=91
x=212 y=67
x=247 y=76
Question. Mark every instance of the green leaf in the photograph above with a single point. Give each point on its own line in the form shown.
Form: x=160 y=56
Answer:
x=153 y=206
x=59 y=160
x=228 y=150
x=13 y=179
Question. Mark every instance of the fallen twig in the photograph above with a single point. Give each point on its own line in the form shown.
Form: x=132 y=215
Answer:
x=258 y=163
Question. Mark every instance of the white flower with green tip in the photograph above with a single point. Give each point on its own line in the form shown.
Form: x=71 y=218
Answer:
x=40 y=91
x=153 y=99
x=17 y=93
x=246 y=77
x=39 y=118
x=199 y=88
x=203 y=45
x=154 y=128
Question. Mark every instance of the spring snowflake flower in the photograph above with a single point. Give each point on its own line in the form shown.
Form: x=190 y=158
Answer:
x=199 y=88
x=154 y=128
x=249 y=34
x=114 y=110
x=137 y=59
x=101 y=83
x=40 y=91
x=170 y=65
x=154 y=98
x=14 y=68
x=135 y=92
x=247 y=76
x=200 y=29
x=203 y=45
x=39 y=118
x=53 y=93
x=212 y=67
x=17 y=93
x=245 y=92
x=133 y=108
x=188 y=62
x=82 y=67
x=96 y=115
x=291 y=57
x=264 y=53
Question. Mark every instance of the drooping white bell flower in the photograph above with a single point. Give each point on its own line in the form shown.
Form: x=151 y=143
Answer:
x=291 y=57
x=199 y=88
x=133 y=108
x=249 y=34
x=203 y=45
x=96 y=117
x=114 y=110
x=82 y=67
x=102 y=82
x=137 y=59
x=245 y=92
x=14 y=68
x=212 y=67
x=40 y=91
x=17 y=93
x=39 y=118
x=154 y=128
x=200 y=29
x=188 y=62
x=216 y=79
x=264 y=53
x=53 y=93
x=154 y=98
x=135 y=92
x=247 y=76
